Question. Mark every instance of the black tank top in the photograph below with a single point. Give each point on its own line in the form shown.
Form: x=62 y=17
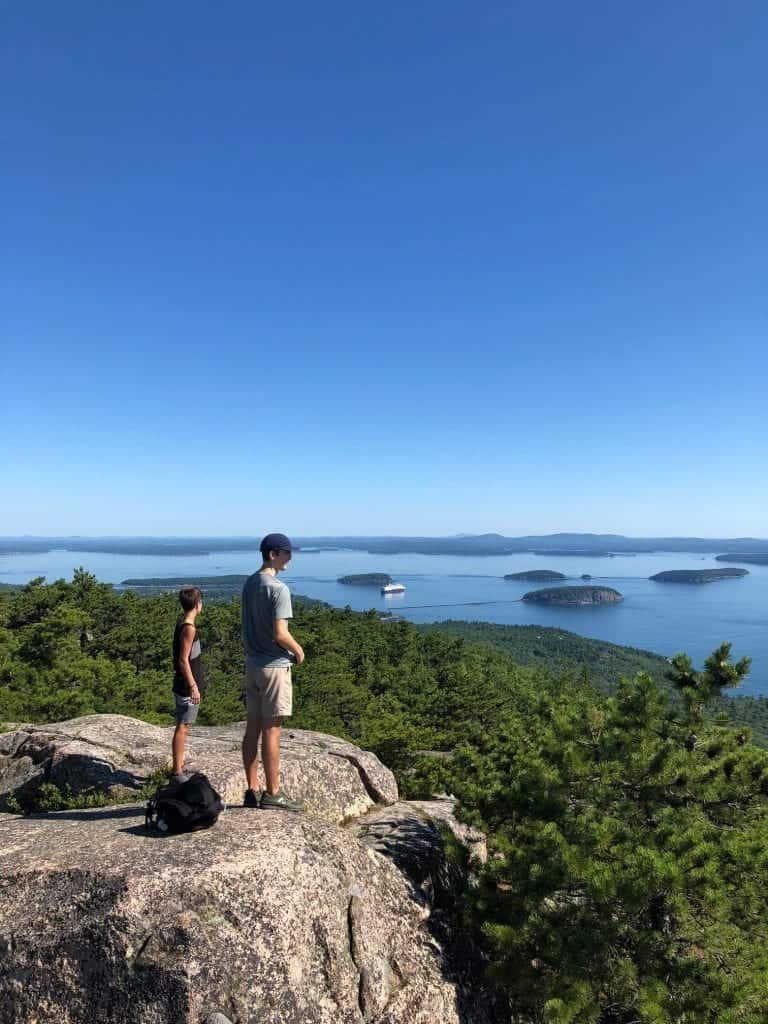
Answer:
x=195 y=661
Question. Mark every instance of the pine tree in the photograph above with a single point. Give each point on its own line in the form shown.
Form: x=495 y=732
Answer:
x=628 y=876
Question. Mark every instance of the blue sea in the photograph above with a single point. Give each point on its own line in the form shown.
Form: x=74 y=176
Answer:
x=661 y=617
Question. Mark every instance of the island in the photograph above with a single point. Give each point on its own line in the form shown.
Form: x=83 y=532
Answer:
x=748 y=558
x=574 y=597
x=537 y=575
x=366 y=579
x=586 y=576
x=574 y=553
x=171 y=582
x=697 y=575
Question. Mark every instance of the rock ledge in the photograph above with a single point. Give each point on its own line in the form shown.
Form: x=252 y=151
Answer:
x=116 y=754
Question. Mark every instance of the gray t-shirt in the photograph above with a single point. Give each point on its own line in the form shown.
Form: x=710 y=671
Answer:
x=265 y=599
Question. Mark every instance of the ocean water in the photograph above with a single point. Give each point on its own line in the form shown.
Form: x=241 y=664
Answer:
x=662 y=617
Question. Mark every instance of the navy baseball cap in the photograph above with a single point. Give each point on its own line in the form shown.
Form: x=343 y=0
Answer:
x=275 y=542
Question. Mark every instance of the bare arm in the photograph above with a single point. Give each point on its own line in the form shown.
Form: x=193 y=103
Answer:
x=185 y=647
x=285 y=640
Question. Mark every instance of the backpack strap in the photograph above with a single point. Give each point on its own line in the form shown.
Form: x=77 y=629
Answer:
x=150 y=814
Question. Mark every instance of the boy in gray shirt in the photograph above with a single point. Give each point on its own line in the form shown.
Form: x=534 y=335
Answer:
x=270 y=652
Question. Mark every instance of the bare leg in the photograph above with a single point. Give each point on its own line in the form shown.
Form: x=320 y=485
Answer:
x=178 y=745
x=251 y=752
x=270 y=753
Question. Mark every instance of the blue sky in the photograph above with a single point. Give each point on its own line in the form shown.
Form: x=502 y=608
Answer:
x=403 y=268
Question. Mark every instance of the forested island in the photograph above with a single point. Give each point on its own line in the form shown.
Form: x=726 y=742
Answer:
x=366 y=579
x=172 y=582
x=749 y=558
x=636 y=819
x=215 y=588
x=537 y=575
x=575 y=597
x=573 y=553
x=697 y=575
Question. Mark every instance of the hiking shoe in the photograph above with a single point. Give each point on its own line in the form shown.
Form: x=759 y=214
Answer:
x=252 y=798
x=279 y=802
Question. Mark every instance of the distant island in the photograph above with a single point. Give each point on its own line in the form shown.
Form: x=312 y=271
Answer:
x=215 y=588
x=574 y=596
x=366 y=579
x=749 y=558
x=537 y=575
x=697 y=575
x=573 y=553
x=186 y=581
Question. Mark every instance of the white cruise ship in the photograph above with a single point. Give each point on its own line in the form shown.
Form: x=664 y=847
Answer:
x=393 y=588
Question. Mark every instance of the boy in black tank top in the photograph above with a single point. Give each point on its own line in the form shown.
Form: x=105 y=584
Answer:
x=187 y=672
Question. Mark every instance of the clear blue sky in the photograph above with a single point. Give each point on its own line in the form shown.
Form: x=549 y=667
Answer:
x=397 y=268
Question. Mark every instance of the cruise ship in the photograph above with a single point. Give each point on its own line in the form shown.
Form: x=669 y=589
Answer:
x=393 y=588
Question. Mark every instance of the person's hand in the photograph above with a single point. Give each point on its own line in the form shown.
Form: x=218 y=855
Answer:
x=194 y=695
x=299 y=655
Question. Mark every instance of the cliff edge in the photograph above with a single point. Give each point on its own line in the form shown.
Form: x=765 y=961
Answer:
x=266 y=918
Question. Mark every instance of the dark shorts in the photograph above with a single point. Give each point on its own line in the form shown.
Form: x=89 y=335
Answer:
x=186 y=711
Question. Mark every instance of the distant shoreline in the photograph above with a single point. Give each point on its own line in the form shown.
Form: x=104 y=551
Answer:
x=554 y=545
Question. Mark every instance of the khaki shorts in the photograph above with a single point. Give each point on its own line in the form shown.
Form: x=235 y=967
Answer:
x=269 y=692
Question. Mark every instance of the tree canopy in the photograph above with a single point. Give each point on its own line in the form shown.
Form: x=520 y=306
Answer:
x=627 y=881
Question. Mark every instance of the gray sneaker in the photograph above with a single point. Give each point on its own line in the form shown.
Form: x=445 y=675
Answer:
x=252 y=798
x=279 y=802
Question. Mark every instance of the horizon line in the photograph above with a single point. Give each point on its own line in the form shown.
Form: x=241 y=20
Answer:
x=373 y=536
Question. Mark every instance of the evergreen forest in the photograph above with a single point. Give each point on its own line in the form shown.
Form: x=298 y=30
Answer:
x=624 y=798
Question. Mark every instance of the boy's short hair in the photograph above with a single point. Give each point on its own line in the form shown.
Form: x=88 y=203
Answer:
x=189 y=596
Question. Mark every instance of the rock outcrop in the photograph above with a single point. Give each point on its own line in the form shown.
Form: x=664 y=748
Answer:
x=115 y=754
x=266 y=918
x=409 y=833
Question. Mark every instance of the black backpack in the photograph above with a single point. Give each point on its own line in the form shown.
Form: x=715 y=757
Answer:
x=184 y=806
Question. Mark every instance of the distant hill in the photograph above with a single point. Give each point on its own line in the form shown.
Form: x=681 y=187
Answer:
x=480 y=544
x=562 y=543
x=559 y=650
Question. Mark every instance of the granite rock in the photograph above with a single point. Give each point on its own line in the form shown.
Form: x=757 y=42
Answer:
x=410 y=833
x=116 y=754
x=267 y=918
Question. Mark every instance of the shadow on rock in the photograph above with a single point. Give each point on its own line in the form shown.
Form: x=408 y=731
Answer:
x=415 y=836
x=91 y=814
